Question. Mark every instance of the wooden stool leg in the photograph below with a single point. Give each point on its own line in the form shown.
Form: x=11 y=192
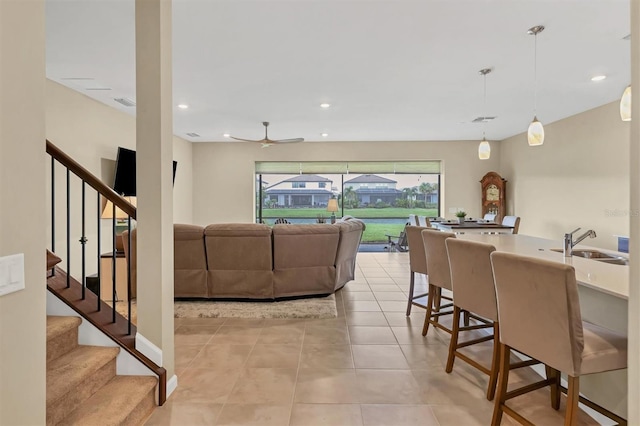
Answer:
x=554 y=375
x=495 y=363
x=427 y=318
x=411 y=284
x=437 y=301
x=505 y=354
x=573 y=394
x=453 y=343
x=466 y=318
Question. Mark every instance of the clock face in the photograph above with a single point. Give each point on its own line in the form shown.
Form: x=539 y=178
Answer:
x=493 y=193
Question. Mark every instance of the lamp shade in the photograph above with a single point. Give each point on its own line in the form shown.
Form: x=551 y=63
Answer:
x=484 y=150
x=332 y=206
x=107 y=212
x=625 y=105
x=535 y=134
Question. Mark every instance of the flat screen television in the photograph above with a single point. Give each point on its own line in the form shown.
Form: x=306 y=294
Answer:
x=125 y=179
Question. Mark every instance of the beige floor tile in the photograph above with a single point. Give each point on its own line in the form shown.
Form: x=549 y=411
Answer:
x=535 y=407
x=274 y=356
x=264 y=386
x=393 y=306
x=282 y=334
x=185 y=354
x=374 y=273
x=371 y=335
x=326 y=356
x=327 y=322
x=399 y=319
x=413 y=336
x=351 y=286
x=194 y=335
x=381 y=280
x=398 y=415
x=200 y=321
x=326 y=335
x=196 y=385
x=222 y=356
x=425 y=357
x=388 y=387
x=359 y=295
x=327 y=386
x=254 y=414
x=377 y=288
x=378 y=356
x=185 y=413
x=236 y=335
x=397 y=296
x=452 y=389
x=361 y=305
x=456 y=415
x=245 y=322
x=326 y=415
x=366 y=318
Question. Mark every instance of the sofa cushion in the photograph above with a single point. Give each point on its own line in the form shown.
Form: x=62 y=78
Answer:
x=350 y=236
x=239 y=258
x=190 y=261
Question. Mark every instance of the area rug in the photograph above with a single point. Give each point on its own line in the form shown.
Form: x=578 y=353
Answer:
x=317 y=307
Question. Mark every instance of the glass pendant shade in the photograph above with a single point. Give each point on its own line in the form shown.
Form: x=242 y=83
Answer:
x=625 y=105
x=535 y=134
x=484 y=150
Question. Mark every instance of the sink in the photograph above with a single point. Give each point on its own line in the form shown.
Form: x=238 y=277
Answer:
x=598 y=255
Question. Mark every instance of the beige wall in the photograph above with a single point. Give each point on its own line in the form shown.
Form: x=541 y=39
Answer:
x=90 y=132
x=224 y=179
x=578 y=178
x=22 y=211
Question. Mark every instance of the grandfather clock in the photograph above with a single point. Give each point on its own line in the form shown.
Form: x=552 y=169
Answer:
x=493 y=195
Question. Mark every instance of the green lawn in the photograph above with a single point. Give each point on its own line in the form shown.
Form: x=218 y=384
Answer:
x=364 y=213
x=377 y=232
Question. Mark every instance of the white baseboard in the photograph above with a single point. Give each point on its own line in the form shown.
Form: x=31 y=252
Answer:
x=172 y=384
x=148 y=349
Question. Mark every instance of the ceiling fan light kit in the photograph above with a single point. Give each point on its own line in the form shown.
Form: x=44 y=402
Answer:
x=266 y=142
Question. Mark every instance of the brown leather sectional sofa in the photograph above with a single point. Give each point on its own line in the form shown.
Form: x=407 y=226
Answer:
x=254 y=261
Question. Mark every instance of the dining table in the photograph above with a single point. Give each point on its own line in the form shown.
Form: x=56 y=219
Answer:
x=472 y=226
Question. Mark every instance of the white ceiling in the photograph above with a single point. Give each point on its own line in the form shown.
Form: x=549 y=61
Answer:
x=392 y=70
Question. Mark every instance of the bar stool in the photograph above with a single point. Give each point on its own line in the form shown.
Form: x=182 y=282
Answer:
x=439 y=277
x=417 y=263
x=539 y=312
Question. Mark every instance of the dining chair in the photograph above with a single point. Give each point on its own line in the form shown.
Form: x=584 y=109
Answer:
x=439 y=277
x=512 y=221
x=539 y=313
x=413 y=220
x=423 y=221
x=417 y=263
x=489 y=216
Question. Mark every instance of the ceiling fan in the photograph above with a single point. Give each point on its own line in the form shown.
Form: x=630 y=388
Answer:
x=266 y=142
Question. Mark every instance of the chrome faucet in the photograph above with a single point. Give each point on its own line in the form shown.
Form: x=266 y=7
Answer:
x=569 y=242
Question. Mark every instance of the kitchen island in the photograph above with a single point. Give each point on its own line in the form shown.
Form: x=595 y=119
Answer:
x=604 y=292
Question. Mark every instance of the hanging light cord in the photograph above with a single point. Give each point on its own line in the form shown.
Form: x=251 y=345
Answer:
x=535 y=74
x=484 y=107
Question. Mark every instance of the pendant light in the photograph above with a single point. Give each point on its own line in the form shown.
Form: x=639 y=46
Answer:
x=625 y=105
x=484 y=149
x=535 y=134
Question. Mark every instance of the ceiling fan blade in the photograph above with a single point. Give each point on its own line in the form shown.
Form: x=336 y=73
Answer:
x=245 y=140
x=289 y=140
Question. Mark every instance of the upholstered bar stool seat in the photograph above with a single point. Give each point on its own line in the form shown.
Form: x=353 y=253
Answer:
x=417 y=263
x=539 y=313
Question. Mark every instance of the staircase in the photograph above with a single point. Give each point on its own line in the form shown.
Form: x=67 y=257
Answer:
x=82 y=385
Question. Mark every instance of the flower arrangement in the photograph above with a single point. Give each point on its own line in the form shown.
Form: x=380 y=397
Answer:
x=461 y=214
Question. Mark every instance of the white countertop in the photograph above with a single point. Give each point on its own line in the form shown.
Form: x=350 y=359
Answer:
x=605 y=277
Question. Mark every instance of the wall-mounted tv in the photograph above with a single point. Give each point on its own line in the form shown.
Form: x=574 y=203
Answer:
x=125 y=179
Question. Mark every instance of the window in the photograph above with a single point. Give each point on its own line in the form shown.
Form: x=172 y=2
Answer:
x=298 y=184
x=322 y=184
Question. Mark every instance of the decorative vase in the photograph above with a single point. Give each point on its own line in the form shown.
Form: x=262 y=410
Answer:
x=461 y=220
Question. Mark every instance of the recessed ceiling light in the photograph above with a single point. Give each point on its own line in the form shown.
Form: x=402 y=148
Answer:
x=325 y=105
x=598 y=77
x=183 y=106
x=324 y=135
x=226 y=135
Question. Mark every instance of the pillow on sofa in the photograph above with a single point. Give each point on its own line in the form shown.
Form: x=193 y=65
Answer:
x=52 y=260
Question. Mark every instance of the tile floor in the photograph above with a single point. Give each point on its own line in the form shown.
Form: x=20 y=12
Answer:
x=368 y=366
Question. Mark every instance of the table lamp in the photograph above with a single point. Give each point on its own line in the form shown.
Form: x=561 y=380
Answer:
x=121 y=220
x=333 y=208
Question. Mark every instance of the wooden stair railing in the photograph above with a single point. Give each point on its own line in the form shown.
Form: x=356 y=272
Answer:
x=73 y=291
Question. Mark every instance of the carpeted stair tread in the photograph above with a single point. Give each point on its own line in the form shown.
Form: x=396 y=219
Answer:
x=59 y=325
x=124 y=400
x=67 y=372
x=62 y=335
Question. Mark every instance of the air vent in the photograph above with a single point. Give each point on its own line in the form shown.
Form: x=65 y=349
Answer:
x=482 y=119
x=125 y=101
x=193 y=135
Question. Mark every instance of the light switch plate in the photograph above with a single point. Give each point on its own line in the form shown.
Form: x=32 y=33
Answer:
x=11 y=273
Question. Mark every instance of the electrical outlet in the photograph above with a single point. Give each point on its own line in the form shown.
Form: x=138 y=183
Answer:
x=11 y=273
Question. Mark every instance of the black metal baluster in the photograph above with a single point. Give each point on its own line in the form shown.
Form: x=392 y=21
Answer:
x=83 y=241
x=128 y=258
x=114 y=296
x=68 y=230
x=99 y=207
x=53 y=210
